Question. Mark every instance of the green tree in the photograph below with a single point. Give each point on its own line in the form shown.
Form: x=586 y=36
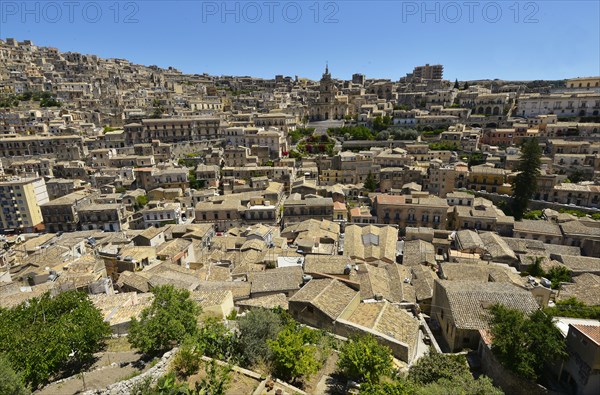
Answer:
x=535 y=269
x=49 y=335
x=460 y=386
x=364 y=359
x=557 y=275
x=293 y=358
x=398 y=387
x=165 y=323
x=381 y=123
x=195 y=183
x=524 y=344
x=456 y=86
x=525 y=183
x=10 y=382
x=442 y=374
x=370 y=183
x=255 y=329
x=405 y=134
x=187 y=360
x=140 y=202
x=382 y=136
x=157 y=109
x=466 y=86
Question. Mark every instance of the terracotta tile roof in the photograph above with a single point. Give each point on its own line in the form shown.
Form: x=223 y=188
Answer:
x=208 y=298
x=328 y=295
x=388 y=319
x=240 y=289
x=134 y=281
x=334 y=264
x=390 y=199
x=267 y=302
x=387 y=281
x=585 y=287
x=538 y=227
x=416 y=252
x=284 y=279
x=422 y=280
x=469 y=301
x=371 y=242
x=579 y=228
x=581 y=264
x=591 y=331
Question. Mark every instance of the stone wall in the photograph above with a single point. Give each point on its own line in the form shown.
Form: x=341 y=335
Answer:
x=400 y=350
x=179 y=150
x=536 y=204
x=509 y=382
x=124 y=387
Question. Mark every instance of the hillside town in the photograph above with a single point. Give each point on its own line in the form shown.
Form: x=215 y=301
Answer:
x=356 y=207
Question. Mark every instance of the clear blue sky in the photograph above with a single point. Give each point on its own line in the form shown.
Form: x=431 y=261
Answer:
x=382 y=39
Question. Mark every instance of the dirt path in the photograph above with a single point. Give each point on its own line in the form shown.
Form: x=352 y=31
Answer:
x=326 y=382
x=95 y=380
x=111 y=367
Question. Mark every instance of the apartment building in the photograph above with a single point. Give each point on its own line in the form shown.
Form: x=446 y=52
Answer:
x=562 y=104
x=244 y=208
x=428 y=72
x=417 y=209
x=350 y=168
x=20 y=200
x=62 y=214
x=279 y=174
x=41 y=167
x=297 y=208
x=488 y=178
x=172 y=130
x=478 y=214
x=395 y=177
x=440 y=180
x=285 y=122
x=110 y=217
x=162 y=214
x=583 y=83
x=62 y=147
x=584 y=194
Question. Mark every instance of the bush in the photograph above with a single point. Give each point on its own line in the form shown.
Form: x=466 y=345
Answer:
x=434 y=367
x=460 y=386
x=573 y=308
x=533 y=214
x=10 y=382
x=255 y=329
x=187 y=360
